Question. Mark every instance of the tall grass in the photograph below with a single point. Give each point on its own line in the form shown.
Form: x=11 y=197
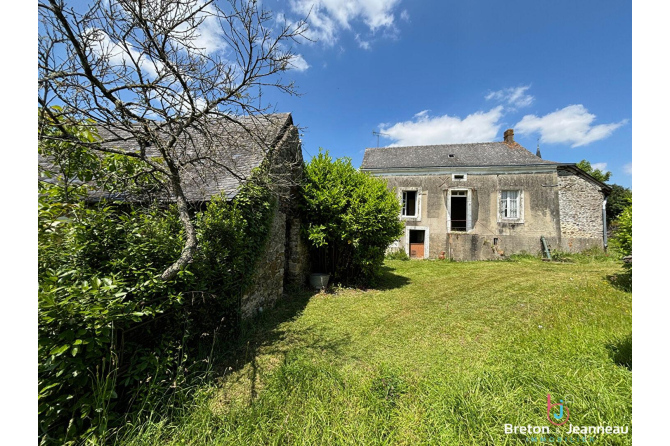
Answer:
x=443 y=353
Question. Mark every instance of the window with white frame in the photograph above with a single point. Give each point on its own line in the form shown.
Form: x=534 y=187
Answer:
x=510 y=204
x=410 y=203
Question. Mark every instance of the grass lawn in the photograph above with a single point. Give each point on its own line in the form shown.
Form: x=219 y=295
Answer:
x=440 y=353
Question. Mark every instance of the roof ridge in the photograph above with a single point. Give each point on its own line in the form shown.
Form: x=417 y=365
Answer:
x=439 y=145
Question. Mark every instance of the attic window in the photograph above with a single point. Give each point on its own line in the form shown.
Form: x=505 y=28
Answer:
x=451 y=155
x=459 y=176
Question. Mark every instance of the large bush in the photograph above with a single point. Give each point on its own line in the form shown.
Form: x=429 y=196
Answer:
x=111 y=333
x=623 y=231
x=349 y=219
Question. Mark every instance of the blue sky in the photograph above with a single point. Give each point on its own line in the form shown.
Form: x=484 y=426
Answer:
x=445 y=72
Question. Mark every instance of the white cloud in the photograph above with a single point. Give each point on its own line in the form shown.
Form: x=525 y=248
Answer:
x=515 y=96
x=424 y=130
x=299 y=63
x=362 y=43
x=209 y=36
x=326 y=18
x=599 y=166
x=117 y=54
x=570 y=125
x=628 y=168
x=404 y=15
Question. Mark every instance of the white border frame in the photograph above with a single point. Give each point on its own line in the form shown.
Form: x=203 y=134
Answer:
x=419 y=199
x=520 y=219
x=453 y=177
x=468 y=210
x=426 y=239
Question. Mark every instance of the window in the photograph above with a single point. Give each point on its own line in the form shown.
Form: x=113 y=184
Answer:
x=510 y=204
x=410 y=205
x=459 y=176
x=459 y=211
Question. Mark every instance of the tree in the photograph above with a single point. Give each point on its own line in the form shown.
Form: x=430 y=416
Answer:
x=619 y=199
x=598 y=174
x=623 y=234
x=160 y=75
x=349 y=219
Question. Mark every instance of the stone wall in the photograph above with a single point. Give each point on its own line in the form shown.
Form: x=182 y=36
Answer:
x=268 y=281
x=489 y=238
x=297 y=258
x=581 y=212
x=285 y=257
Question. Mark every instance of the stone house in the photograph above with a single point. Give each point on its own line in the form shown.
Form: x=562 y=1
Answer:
x=482 y=201
x=271 y=142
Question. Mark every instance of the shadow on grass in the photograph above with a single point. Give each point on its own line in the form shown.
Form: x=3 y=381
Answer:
x=622 y=281
x=388 y=280
x=265 y=333
x=621 y=351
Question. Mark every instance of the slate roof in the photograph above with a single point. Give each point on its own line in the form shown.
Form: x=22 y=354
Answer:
x=234 y=154
x=451 y=155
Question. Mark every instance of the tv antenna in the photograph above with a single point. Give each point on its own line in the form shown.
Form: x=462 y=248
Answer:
x=377 y=134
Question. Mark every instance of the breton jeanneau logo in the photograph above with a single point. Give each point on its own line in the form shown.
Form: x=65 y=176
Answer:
x=560 y=417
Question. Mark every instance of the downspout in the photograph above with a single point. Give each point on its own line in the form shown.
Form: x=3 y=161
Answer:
x=605 y=223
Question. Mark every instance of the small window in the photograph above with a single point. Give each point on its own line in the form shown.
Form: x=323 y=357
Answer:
x=510 y=204
x=451 y=155
x=409 y=203
x=459 y=176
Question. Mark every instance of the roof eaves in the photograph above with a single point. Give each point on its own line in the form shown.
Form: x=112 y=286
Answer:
x=573 y=167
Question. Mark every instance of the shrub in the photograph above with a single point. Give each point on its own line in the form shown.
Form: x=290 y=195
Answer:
x=399 y=254
x=111 y=334
x=349 y=219
x=623 y=232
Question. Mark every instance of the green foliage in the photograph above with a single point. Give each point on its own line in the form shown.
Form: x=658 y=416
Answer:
x=399 y=254
x=349 y=219
x=618 y=200
x=77 y=168
x=111 y=333
x=623 y=232
x=98 y=277
x=595 y=173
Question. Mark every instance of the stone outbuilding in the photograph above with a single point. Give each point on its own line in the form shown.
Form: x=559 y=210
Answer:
x=270 y=142
x=483 y=201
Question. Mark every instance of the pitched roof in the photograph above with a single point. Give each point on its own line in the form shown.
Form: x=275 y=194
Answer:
x=232 y=152
x=451 y=155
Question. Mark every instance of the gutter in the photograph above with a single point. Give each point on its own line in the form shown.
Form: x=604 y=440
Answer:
x=605 y=223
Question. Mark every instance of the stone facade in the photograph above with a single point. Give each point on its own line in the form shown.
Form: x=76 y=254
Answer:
x=285 y=259
x=581 y=214
x=268 y=282
x=485 y=201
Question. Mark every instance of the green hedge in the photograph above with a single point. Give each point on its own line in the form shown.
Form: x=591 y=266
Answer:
x=111 y=333
x=349 y=219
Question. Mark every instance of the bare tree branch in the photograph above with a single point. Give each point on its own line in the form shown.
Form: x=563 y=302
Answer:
x=173 y=83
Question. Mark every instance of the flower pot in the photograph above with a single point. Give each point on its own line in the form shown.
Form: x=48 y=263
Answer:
x=319 y=280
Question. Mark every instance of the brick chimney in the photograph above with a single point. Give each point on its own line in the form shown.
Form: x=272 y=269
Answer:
x=509 y=136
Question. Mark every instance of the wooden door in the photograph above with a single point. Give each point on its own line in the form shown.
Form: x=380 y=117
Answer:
x=417 y=240
x=416 y=250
